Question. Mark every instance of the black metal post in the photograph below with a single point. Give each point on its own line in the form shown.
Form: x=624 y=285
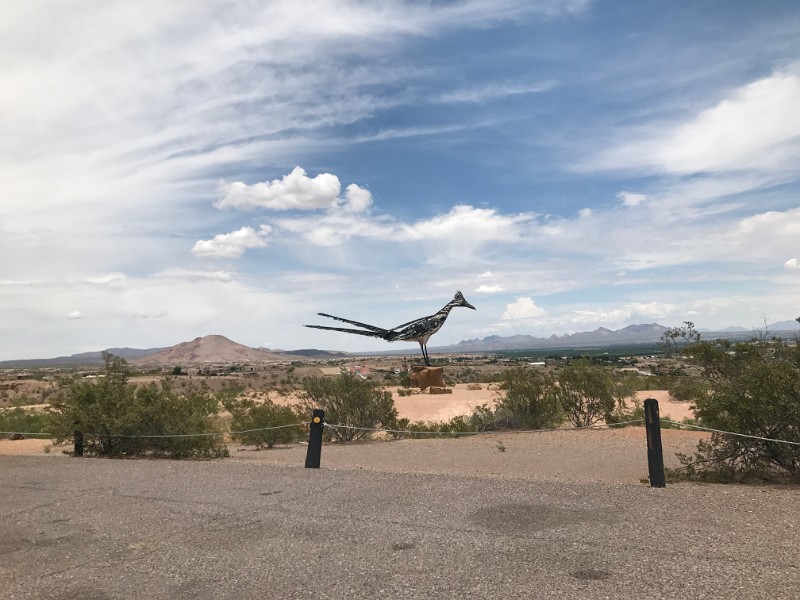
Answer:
x=655 y=454
x=78 y=442
x=315 y=439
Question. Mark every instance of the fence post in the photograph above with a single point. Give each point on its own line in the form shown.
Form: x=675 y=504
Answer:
x=78 y=435
x=655 y=454
x=315 y=439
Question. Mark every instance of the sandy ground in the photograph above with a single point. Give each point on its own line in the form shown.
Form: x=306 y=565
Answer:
x=462 y=400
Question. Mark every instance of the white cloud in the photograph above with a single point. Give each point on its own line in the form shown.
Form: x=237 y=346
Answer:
x=295 y=191
x=493 y=92
x=523 y=308
x=756 y=127
x=193 y=274
x=468 y=224
x=585 y=213
x=610 y=316
x=358 y=199
x=231 y=245
x=488 y=289
x=463 y=227
x=792 y=264
x=75 y=314
x=151 y=315
x=631 y=198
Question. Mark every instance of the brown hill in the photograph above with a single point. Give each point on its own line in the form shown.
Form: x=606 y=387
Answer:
x=210 y=349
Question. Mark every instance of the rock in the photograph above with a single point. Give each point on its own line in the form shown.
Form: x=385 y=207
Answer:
x=424 y=377
x=440 y=390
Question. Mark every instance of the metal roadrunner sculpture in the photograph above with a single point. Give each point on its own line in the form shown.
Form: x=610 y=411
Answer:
x=418 y=330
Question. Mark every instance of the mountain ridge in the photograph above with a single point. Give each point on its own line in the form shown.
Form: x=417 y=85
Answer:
x=219 y=349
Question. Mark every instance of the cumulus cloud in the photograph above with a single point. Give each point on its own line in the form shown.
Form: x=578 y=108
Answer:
x=792 y=264
x=523 y=308
x=357 y=199
x=295 y=191
x=75 y=314
x=232 y=245
x=585 y=213
x=630 y=198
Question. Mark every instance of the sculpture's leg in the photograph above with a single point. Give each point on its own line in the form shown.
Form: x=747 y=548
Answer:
x=424 y=354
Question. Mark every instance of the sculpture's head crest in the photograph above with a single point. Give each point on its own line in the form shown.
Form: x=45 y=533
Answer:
x=459 y=298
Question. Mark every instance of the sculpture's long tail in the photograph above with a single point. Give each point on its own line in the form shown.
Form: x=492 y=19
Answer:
x=356 y=323
x=379 y=333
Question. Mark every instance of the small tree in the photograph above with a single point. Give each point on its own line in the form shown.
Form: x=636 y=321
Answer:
x=527 y=400
x=586 y=393
x=349 y=401
x=673 y=338
x=252 y=423
x=755 y=390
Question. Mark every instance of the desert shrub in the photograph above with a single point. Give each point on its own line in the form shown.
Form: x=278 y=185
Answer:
x=19 y=420
x=626 y=406
x=585 y=392
x=687 y=388
x=460 y=424
x=351 y=402
x=252 y=421
x=754 y=390
x=121 y=419
x=457 y=425
x=527 y=401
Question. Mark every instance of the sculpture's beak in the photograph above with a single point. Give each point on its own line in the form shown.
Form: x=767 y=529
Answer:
x=468 y=305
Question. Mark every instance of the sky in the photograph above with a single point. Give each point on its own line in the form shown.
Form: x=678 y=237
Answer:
x=170 y=170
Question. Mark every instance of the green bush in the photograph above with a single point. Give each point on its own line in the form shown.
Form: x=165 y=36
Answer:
x=121 y=419
x=351 y=402
x=20 y=420
x=249 y=416
x=429 y=429
x=754 y=390
x=527 y=401
x=587 y=393
x=688 y=389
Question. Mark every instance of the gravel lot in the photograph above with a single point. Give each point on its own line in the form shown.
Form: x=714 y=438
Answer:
x=552 y=515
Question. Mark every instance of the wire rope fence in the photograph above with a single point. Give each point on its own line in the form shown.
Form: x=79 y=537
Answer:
x=317 y=426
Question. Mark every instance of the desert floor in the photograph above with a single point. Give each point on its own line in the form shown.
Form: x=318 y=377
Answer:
x=610 y=455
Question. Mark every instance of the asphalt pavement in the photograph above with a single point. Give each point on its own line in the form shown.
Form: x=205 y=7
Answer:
x=105 y=529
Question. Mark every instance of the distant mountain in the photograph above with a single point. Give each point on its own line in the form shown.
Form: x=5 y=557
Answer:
x=209 y=349
x=84 y=359
x=632 y=334
x=314 y=353
x=784 y=326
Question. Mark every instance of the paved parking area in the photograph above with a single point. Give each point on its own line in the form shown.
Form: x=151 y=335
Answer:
x=103 y=529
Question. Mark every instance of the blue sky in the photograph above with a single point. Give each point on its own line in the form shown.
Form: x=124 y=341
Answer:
x=176 y=169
